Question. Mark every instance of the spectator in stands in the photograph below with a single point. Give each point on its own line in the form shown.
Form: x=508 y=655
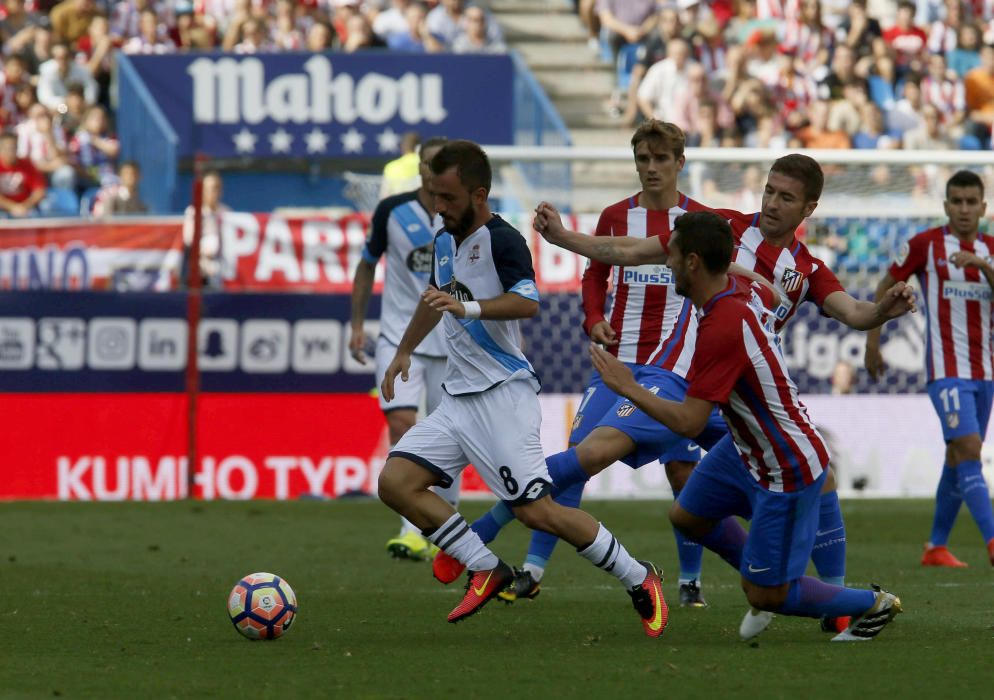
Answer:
x=842 y=71
x=400 y=174
x=979 y=84
x=70 y=115
x=121 y=197
x=908 y=41
x=762 y=57
x=907 y=112
x=858 y=31
x=320 y=38
x=817 y=133
x=189 y=33
x=872 y=134
x=587 y=11
x=415 y=38
x=43 y=142
x=39 y=50
x=846 y=112
x=24 y=98
x=211 y=255
x=71 y=18
x=808 y=39
x=150 y=40
x=447 y=21
x=883 y=83
x=254 y=38
x=96 y=52
x=688 y=103
x=391 y=20
x=966 y=56
x=943 y=34
x=22 y=187
x=55 y=75
x=652 y=50
x=476 y=38
x=13 y=77
x=930 y=135
x=94 y=150
x=285 y=34
x=17 y=27
x=843 y=378
x=662 y=83
x=360 y=36
x=625 y=22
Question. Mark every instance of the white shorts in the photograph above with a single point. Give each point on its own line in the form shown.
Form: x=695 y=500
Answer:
x=496 y=430
x=425 y=378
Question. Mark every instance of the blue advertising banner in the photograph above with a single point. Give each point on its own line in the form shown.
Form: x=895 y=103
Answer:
x=137 y=342
x=322 y=105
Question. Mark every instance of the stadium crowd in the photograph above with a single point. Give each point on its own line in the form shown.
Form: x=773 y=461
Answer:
x=867 y=74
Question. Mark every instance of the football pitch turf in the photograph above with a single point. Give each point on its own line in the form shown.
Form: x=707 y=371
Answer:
x=128 y=601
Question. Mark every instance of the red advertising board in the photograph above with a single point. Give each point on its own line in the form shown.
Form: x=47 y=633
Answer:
x=110 y=447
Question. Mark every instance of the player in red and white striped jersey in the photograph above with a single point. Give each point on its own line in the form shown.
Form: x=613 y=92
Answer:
x=954 y=264
x=771 y=467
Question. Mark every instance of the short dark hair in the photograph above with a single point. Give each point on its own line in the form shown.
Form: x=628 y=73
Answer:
x=965 y=178
x=469 y=160
x=434 y=142
x=708 y=235
x=804 y=169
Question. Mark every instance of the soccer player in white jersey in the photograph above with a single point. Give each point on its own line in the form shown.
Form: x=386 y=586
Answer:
x=403 y=227
x=482 y=283
x=643 y=312
x=766 y=244
x=954 y=264
x=771 y=465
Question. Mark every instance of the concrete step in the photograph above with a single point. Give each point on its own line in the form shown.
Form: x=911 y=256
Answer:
x=523 y=26
x=544 y=55
x=615 y=136
x=576 y=83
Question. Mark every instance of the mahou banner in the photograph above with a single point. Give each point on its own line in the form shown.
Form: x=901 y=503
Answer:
x=259 y=252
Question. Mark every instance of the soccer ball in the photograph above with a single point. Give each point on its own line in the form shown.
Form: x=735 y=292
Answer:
x=262 y=606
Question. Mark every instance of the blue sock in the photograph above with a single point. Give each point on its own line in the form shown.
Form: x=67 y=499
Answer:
x=947 y=502
x=543 y=543
x=829 y=552
x=809 y=597
x=973 y=487
x=490 y=523
x=727 y=540
x=689 y=552
x=565 y=470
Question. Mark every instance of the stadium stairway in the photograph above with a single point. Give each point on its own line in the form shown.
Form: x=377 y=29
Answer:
x=552 y=40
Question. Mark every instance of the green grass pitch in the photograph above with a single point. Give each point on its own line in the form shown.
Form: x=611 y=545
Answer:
x=128 y=601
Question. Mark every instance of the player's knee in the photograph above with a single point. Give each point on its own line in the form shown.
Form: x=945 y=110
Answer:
x=770 y=598
x=687 y=523
x=537 y=515
x=965 y=448
x=399 y=422
x=390 y=486
x=677 y=473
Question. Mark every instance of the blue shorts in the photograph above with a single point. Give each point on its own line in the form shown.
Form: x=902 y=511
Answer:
x=784 y=525
x=963 y=405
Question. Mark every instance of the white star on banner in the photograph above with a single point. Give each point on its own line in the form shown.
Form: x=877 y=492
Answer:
x=352 y=141
x=388 y=141
x=244 y=141
x=317 y=141
x=280 y=141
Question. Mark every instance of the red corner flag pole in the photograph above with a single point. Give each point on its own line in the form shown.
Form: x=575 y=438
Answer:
x=194 y=283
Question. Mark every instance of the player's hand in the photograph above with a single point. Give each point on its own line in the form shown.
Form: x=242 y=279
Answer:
x=548 y=222
x=401 y=364
x=443 y=301
x=873 y=360
x=356 y=344
x=616 y=376
x=899 y=300
x=603 y=334
x=964 y=258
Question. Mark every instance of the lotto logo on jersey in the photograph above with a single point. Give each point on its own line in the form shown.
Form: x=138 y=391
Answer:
x=791 y=280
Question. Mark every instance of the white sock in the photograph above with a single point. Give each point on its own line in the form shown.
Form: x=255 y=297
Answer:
x=605 y=552
x=456 y=539
x=534 y=569
x=407 y=526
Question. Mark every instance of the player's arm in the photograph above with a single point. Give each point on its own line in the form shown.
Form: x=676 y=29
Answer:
x=507 y=307
x=613 y=251
x=593 y=288
x=365 y=274
x=688 y=418
x=962 y=258
x=897 y=300
x=425 y=319
x=753 y=276
x=873 y=359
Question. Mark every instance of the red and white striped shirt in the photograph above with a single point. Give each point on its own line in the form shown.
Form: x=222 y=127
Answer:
x=794 y=272
x=958 y=303
x=738 y=365
x=646 y=306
